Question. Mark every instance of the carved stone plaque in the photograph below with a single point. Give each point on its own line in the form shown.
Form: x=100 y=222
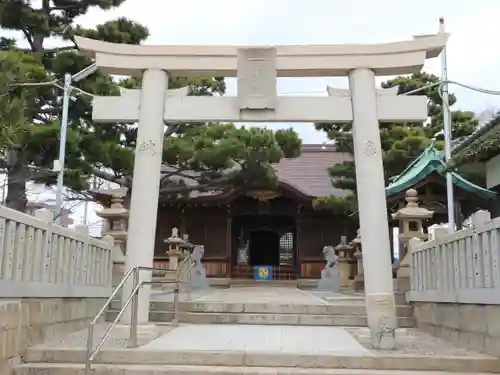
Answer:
x=257 y=78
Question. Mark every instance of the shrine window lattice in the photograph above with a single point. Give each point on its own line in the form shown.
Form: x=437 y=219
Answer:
x=286 y=249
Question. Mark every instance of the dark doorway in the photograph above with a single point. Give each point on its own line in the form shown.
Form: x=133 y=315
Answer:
x=264 y=248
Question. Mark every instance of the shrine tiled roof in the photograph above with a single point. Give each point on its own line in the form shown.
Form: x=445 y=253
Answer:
x=483 y=144
x=431 y=161
x=308 y=173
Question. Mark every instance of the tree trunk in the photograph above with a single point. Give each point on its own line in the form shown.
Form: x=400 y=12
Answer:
x=17 y=176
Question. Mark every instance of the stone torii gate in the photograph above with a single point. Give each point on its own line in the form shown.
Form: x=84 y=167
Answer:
x=257 y=69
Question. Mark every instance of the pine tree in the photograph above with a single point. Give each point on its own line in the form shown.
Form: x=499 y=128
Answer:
x=401 y=143
x=196 y=151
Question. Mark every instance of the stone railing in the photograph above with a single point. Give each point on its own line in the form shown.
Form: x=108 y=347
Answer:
x=44 y=260
x=462 y=267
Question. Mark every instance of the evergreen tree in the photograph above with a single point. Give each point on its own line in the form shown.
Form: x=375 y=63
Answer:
x=198 y=154
x=401 y=142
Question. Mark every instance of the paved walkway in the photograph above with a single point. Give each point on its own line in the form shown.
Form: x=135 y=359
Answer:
x=271 y=295
x=277 y=339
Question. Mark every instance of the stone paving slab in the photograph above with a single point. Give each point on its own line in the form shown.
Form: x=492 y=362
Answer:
x=281 y=339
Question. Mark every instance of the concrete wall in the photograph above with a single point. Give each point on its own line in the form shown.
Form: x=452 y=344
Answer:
x=471 y=325
x=29 y=321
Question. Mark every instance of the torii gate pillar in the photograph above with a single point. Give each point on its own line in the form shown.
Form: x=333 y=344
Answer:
x=146 y=186
x=370 y=185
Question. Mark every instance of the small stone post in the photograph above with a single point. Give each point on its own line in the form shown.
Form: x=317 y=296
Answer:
x=411 y=217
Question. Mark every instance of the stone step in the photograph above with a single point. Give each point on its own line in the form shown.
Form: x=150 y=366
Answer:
x=345 y=308
x=400 y=298
x=42 y=357
x=234 y=283
x=107 y=369
x=284 y=319
x=265 y=319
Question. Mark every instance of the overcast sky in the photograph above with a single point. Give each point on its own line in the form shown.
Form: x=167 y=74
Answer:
x=473 y=53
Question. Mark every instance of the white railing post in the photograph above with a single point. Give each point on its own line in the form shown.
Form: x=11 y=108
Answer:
x=47 y=217
x=439 y=235
x=413 y=245
x=107 y=268
x=84 y=256
x=478 y=220
x=495 y=257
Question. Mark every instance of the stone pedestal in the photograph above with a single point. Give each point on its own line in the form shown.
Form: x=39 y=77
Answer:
x=118 y=271
x=344 y=253
x=330 y=275
x=173 y=259
x=198 y=276
x=330 y=279
x=116 y=226
x=359 y=279
x=344 y=272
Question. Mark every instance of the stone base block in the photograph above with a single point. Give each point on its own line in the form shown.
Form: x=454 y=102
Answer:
x=29 y=321
x=476 y=327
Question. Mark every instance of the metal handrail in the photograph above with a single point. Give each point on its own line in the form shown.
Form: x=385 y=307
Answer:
x=92 y=354
x=175 y=320
x=137 y=285
x=135 y=305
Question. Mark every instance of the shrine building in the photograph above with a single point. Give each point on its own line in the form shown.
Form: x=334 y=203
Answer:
x=279 y=228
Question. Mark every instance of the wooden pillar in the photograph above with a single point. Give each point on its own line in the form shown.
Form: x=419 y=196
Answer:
x=229 y=251
x=296 y=243
x=183 y=227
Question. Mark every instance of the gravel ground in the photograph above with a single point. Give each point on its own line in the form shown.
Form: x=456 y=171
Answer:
x=415 y=342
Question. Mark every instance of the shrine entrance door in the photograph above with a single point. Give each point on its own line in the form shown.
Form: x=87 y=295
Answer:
x=263 y=240
x=264 y=247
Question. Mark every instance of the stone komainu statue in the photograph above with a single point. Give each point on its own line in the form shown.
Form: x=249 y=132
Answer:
x=330 y=257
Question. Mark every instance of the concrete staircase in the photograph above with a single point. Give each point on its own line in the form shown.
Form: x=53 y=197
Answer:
x=344 y=351
x=57 y=361
x=345 y=313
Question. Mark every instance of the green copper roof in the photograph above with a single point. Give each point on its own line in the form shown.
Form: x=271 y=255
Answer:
x=431 y=160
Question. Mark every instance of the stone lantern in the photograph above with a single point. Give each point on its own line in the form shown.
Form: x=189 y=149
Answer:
x=359 y=279
x=344 y=252
x=411 y=218
x=175 y=245
x=116 y=216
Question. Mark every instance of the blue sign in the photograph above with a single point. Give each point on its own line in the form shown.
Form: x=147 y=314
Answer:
x=263 y=273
